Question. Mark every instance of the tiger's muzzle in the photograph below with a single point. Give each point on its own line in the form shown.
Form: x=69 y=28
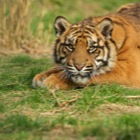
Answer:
x=79 y=73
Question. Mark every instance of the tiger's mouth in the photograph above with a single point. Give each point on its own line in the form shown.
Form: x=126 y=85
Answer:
x=78 y=79
x=79 y=76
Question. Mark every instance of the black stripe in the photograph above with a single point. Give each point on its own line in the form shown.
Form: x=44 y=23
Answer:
x=108 y=48
x=90 y=31
x=75 y=32
x=55 y=50
x=112 y=41
x=105 y=63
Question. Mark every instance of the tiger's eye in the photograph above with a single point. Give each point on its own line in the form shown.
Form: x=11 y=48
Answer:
x=94 y=43
x=92 y=49
x=70 y=47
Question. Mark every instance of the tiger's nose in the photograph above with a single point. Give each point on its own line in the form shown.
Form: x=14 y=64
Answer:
x=79 y=66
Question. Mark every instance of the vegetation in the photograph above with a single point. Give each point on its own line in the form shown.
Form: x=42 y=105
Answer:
x=101 y=112
x=28 y=24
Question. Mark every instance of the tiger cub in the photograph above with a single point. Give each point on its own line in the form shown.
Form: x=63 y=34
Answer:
x=96 y=50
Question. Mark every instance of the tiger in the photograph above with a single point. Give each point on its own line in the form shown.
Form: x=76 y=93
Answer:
x=96 y=50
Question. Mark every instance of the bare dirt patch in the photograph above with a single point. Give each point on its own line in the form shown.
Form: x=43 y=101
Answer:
x=113 y=109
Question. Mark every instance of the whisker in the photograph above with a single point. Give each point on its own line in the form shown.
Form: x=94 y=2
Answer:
x=62 y=75
x=93 y=78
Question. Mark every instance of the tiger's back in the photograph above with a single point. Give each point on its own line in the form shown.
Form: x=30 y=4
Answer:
x=130 y=12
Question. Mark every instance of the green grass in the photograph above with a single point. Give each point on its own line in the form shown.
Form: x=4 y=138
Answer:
x=100 y=111
x=45 y=13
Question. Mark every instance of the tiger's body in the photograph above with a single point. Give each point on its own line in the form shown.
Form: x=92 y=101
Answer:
x=96 y=50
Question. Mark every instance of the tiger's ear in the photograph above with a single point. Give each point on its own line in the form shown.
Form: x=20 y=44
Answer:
x=106 y=27
x=60 y=25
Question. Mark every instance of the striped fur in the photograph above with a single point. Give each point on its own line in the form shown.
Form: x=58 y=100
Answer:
x=85 y=46
x=96 y=50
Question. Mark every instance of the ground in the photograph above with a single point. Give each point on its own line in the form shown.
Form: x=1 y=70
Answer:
x=100 y=112
x=107 y=111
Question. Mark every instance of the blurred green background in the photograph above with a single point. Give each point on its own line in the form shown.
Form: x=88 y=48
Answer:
x=29 y=23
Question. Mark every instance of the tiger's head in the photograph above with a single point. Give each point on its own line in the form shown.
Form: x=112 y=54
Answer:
x=84 y=49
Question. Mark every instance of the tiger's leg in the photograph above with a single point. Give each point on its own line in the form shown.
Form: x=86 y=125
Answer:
x=39 y=78
x=57 y=81
x=54 y=78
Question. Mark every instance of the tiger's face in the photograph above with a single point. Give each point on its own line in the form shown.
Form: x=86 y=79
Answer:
x=84 y=49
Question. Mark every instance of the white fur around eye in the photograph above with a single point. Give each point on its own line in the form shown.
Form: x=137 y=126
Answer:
x=98 y=63
x=63 y=61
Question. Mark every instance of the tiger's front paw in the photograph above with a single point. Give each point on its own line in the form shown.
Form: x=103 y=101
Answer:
x=56 y=83
x=52 y=81
x=38 y=80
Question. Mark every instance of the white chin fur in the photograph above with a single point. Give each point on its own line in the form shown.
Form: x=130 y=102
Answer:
x=79 y=80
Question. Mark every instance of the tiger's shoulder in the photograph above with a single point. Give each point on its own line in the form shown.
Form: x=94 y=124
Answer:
x=126 y=14
x=131 y=12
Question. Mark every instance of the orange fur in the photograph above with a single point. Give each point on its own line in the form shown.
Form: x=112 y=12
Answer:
x=126 y=71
